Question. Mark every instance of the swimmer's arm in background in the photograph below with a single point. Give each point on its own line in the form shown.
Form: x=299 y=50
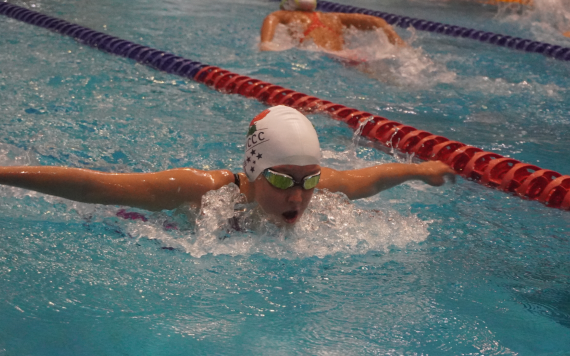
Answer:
x=152 y=191
x=369 y=23
x=268 y=29
x=365 y=182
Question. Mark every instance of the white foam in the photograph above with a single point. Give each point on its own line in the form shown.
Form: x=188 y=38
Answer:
x=372 y=53
x=547 y=19
x=13 y=156
x=331 y=224
x=407 y=66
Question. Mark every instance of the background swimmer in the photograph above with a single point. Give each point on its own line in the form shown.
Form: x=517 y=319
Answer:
x=281 y=170
x=324 y=29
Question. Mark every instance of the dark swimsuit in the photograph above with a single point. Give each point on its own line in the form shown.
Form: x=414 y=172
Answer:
x=317 y=23
x=236 y=179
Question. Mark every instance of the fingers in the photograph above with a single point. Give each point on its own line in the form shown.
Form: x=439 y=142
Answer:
x=450 y=174
x=438 y=173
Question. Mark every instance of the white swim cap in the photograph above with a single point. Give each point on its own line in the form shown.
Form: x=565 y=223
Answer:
x=304 y=5
x=280 y=135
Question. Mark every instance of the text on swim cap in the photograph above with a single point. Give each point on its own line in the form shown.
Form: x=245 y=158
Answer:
x=255 y=139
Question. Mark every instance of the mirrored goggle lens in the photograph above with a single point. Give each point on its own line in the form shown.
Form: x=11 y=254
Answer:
x=278 y=181
x=311 y=182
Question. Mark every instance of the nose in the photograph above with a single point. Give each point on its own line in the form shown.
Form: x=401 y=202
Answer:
x=295 y=195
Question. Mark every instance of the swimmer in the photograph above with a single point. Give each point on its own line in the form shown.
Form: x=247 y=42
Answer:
x=281 y=169
x=324 y=29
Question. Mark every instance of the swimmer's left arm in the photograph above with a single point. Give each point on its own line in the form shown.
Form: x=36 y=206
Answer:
x=368 y=23
x=365 y=182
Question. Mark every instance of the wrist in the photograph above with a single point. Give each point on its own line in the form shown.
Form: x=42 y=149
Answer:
x=419 y=171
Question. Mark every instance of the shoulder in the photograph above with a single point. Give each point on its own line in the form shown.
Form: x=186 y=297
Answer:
x=335 y=15
x=331 y=14
x=214 y=179
x=331 y=179
x=220 y=177
x=332 y=17
x=245 y=187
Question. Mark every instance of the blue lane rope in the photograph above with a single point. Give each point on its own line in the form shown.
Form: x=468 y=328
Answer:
x=554 y=51
x=154 y=58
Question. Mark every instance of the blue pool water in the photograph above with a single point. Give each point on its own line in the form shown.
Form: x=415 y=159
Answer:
x=460 y=269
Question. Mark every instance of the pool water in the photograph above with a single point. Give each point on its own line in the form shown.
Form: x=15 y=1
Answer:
x=458 y=269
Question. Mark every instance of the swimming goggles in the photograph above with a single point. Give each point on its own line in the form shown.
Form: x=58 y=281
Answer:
x=284 y=181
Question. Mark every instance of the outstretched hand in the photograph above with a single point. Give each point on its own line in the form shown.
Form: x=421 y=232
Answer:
x=436 y=173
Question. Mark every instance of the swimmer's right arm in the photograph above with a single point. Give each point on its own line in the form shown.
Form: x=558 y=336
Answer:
x=366 y=182
x=268 y=29
x=163 y=190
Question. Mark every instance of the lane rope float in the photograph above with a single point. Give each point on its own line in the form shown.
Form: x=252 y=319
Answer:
x=521 y=44
x=491 y=169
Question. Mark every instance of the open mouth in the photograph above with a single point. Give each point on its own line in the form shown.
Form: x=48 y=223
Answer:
x=291 y=216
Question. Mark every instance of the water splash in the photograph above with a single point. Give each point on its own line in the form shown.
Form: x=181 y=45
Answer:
x=357 y=135
x=225 y=225
x=13 y=156
x=372 y=53
x=406 y=66
x=548 y=19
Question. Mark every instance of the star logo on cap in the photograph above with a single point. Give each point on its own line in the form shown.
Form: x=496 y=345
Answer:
x=257 y=136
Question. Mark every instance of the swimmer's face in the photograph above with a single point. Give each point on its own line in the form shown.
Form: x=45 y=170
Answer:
x=285 y=206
